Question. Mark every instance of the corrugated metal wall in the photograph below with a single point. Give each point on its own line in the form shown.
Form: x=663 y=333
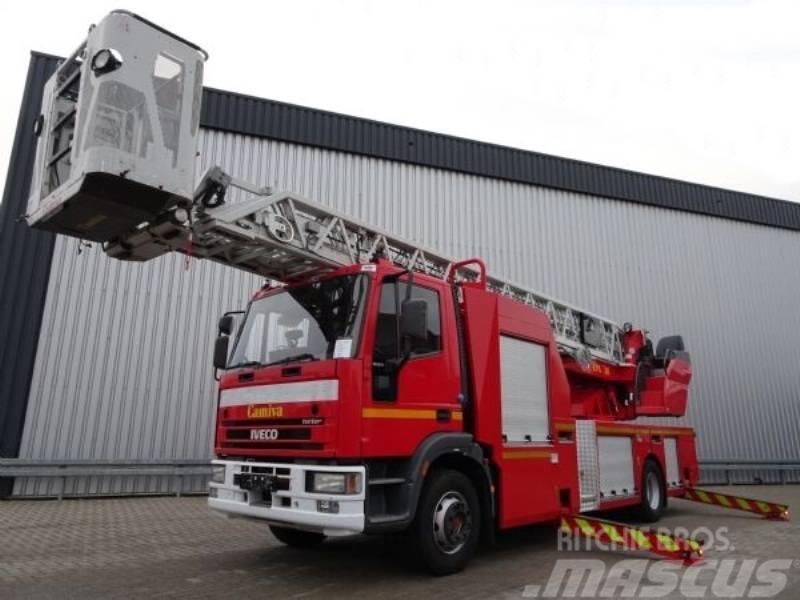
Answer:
x=261 y=117
x=123 y=371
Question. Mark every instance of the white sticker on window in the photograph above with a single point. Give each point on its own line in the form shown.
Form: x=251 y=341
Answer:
x=343 y=348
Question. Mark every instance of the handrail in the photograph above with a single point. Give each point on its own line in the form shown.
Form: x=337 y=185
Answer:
x=44 y=468
x=49 y=468
x=728 y=466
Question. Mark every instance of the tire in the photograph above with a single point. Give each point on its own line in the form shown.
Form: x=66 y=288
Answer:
x=296 y=538
x=654 y=493
x=447 y=525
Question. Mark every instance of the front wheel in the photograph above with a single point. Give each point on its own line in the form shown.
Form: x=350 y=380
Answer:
x=654 y=493
x=296 y=538
x=447 y=523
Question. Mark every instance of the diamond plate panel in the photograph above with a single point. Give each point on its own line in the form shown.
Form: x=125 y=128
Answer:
x=588 y=465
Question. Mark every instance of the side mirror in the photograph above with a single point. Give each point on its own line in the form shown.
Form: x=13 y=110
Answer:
x=225 y=326
x=414 y=319
x=221 y=352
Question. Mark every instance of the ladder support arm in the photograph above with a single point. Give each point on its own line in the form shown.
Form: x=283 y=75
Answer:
x=283 y=236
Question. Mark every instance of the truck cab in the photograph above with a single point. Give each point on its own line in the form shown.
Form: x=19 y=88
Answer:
x=328 y=390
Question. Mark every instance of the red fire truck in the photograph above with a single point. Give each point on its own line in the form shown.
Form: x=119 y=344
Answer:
x=371 y=385
x=374 y=399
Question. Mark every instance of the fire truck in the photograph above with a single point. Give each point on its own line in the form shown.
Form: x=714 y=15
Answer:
x=371 y=385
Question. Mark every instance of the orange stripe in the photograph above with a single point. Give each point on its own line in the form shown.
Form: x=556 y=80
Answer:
x=406 y=413
x=518 y=454
x=630 y=430
x=613 y=429
x=671 y=431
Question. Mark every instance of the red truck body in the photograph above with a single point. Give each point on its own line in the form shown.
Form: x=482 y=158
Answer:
x=447 y=413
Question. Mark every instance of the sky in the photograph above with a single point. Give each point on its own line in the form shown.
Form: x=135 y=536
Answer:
x=702 y=90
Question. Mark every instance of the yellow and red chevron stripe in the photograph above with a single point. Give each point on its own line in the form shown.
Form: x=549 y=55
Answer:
x=770 y=510
x=608 y=532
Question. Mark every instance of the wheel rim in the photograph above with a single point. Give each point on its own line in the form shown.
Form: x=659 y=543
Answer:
x=452 y=522
x=653 y=491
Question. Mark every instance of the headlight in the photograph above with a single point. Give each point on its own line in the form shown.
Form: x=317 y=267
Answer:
x=217 y=473
x=106 y=60
x=333 y=483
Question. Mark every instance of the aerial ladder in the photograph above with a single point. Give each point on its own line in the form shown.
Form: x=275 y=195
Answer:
x=283 y=237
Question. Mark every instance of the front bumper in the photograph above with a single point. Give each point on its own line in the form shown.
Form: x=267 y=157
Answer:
x=289 y=505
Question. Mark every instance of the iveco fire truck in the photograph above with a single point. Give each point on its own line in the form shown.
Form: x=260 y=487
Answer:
x=371 y=385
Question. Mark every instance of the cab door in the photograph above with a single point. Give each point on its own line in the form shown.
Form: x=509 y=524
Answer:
x=414 y=398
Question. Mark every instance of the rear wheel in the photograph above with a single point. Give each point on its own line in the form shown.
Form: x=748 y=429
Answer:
x=296 y=538
x=448 y=521
x=654 y=493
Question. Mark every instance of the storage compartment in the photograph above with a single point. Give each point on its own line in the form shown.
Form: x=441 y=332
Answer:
x=616 y=466
x=523 y=390
x=673 y=475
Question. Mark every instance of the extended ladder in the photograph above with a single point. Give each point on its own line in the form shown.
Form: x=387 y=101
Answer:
x=283 y=236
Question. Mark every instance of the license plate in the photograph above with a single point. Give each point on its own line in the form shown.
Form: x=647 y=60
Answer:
x=226 y=494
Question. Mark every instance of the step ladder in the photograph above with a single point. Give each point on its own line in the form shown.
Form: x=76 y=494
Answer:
x=64 y=110
x=283 y=236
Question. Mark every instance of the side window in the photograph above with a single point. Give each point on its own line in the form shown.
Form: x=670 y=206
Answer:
x=434 y=341
x=168 y=87
x=387 y=342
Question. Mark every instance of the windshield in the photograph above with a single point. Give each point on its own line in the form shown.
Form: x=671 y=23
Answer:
x=311 y=322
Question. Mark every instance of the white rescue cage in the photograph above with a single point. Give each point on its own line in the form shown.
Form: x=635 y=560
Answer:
x=117 y=135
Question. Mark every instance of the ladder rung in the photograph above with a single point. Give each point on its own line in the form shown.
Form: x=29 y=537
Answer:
x=71 y=78
x=63 y=119
x=75 y=57
x=59 y=156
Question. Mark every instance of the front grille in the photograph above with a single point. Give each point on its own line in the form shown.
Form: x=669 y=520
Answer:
x=278 y=471
x=273 y=445
x=283 y=434
x=301 y=433
x=258 y=477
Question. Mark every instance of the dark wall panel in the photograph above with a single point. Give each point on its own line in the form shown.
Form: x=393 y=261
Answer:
x=25 y=257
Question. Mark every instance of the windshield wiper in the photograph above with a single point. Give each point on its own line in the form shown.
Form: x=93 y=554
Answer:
x=288 y=359
x=249 y=363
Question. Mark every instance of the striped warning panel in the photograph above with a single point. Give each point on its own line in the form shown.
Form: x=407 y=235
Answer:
x=770 y=510
x=625 y=536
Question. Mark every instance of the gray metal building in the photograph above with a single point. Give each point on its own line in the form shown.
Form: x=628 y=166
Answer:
x=104 y=360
